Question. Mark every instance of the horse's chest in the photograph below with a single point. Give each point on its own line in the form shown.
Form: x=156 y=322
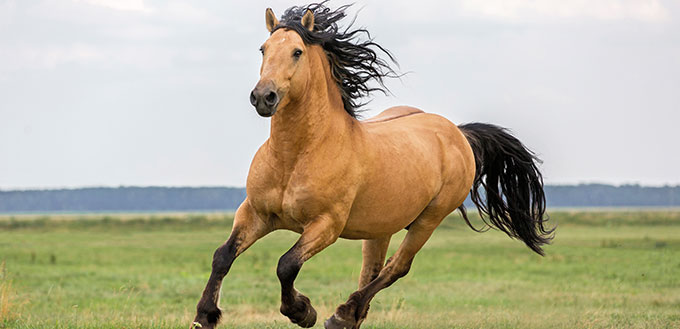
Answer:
x=294 y=202
x=299 y=193
x=299 y=201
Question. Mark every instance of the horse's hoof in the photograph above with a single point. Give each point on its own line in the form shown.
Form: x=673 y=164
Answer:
x=206 y=318
x=309 y=319
x=301 y=312
x=335 y=322
x=198 y=325
x=304 y=319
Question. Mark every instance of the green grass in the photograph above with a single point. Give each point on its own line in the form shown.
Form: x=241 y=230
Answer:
x=604 y=270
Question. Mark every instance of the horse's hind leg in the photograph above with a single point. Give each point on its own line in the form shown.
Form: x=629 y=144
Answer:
x=351 y=314
x=317 y=235
x=374 y=252
x=247 y=229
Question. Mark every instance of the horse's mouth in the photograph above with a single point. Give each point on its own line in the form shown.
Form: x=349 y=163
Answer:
x=266 y=111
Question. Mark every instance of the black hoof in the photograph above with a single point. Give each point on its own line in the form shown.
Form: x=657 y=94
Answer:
x=301 y=312
x=206 y=320
x=207 y=317
x=199 y=325
x=309 y=320
x=338 y=323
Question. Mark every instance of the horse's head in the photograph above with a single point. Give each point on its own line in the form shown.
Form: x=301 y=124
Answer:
x=285 y=66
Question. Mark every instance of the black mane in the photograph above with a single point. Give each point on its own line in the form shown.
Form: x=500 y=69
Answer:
x=354 y=60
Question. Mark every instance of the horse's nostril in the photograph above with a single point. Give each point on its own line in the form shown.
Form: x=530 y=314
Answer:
x=253 y=99
x=271 y=98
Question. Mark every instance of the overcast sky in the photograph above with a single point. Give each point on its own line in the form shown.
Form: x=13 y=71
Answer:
x=136 y=92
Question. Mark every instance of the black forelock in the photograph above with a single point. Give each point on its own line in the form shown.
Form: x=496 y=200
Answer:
x=352 y=54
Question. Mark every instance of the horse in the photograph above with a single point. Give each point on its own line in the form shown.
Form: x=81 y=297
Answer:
x=326 y=175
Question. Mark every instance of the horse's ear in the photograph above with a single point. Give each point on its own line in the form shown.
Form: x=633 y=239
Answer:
x=271 y=20
x=308 y=20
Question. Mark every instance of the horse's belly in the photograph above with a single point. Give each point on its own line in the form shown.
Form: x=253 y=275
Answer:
x=377 y=223
x=390 y=204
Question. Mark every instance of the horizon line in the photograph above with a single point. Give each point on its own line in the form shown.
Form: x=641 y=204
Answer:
x=103 y=186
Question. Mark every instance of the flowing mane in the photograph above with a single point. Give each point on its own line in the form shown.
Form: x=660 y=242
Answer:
x=353 y=59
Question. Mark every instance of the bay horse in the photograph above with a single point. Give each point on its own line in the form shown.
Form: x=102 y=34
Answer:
x=326 y=175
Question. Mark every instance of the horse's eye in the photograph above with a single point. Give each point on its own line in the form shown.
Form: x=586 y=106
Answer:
x=297 y=53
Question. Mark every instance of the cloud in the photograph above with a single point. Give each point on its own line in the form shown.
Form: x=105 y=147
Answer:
x=640 y=10
x=184 y=11
x=7 y=12
x=435 y=11
x=175 y=10
x=49 y=57
x=23 y=57
x=104 y=34
x=123 y=5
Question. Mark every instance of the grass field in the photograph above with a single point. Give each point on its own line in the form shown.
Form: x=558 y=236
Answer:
x=605 y=270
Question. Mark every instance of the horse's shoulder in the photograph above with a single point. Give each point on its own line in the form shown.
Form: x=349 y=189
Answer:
x=393 y=113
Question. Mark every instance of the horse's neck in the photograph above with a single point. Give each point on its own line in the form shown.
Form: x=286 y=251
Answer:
x=307 y=127
x=304 y=125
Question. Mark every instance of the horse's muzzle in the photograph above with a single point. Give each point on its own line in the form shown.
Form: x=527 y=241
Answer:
x=265 y=99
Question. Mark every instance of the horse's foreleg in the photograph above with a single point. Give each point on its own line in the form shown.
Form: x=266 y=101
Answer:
x=351 y=314
x=316 y=236
x=247 y=229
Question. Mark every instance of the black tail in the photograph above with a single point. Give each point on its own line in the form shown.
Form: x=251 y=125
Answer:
x=508 y=173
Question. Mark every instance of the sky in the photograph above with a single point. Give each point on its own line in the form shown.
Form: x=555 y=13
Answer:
x=137 y=92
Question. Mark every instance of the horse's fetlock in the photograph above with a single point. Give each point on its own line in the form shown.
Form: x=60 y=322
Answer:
x=213 y=315
x=337 y=321
x=356 y=295
x=347 y=310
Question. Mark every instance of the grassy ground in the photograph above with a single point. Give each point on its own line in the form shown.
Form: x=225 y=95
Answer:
x=604 y=270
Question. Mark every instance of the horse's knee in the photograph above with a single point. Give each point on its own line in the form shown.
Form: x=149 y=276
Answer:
x=288 y=267
x=223 y=257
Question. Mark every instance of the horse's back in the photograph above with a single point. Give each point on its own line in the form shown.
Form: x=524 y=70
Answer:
x=401 y=118
x=392 y=123
x=393 y=113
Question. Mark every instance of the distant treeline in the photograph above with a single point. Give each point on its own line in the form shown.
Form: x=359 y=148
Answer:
x=600 y=195
x=123 y=199
x=228 y=198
